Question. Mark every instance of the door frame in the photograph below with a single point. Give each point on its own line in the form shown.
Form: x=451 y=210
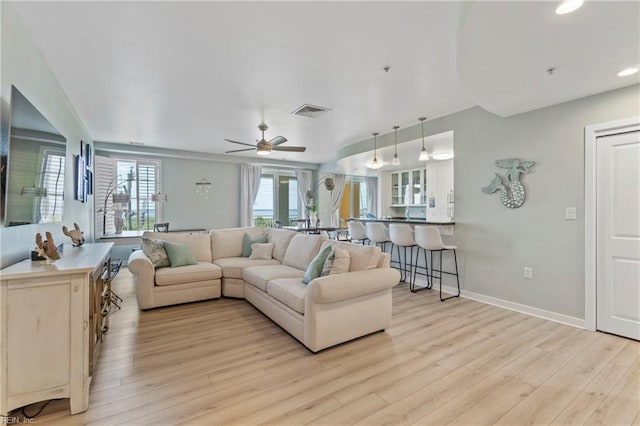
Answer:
x=591 y=133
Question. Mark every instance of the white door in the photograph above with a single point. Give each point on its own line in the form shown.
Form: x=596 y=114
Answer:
x=618 y=234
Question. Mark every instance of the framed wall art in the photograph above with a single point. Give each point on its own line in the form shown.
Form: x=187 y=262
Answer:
x=79 y=178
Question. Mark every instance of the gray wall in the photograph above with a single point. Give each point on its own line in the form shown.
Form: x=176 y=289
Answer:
x=498 y=242
x=495 y=243
x=182 y=169
x=24 y=66
x=184 y=210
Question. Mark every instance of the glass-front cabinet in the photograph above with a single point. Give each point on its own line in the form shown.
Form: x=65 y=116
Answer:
x=409 y=187
x=416 y=187
x=396 y=198
x=405 y=188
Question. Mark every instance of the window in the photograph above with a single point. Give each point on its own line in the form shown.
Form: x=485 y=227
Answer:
x=139 y=179
x=277 y=199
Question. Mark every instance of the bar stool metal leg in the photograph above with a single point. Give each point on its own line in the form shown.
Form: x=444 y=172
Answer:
x=407 y=265
x=416 y=267
x=455 y=260
x=403 y=277
x=440 y=272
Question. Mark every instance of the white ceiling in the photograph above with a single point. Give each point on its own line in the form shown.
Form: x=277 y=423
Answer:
x=505 y=49
x=187 y=75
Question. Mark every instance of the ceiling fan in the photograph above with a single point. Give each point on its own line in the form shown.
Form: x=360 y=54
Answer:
x=264 y=147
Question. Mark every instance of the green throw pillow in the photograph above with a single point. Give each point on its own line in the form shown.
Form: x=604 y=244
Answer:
x=314 y=270
x=247 y=241
x=179 y=254
x=154 y=250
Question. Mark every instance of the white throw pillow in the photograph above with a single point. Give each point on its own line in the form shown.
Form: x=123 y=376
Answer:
x=154 y=250
x=261 y=251
x=338 y=262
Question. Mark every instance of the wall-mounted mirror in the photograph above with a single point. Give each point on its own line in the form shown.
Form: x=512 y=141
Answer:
x=33 y=167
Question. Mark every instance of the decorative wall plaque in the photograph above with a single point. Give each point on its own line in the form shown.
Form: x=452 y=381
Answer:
x=512 y=192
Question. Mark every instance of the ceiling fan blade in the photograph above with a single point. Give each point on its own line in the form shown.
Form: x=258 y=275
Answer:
x=289 y=148
x=240 y=150
x=240 y=143
x=277 y=140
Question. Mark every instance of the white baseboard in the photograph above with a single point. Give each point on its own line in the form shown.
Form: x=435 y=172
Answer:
x=517 y=307
x=512 y=306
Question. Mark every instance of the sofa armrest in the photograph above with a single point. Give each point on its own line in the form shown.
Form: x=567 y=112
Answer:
x=144 y=276
x=334 y=288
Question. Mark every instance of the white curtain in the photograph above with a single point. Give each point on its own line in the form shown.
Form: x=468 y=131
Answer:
x=249 y=186
x=372 y=194
x=336 y=198
x=305 y=179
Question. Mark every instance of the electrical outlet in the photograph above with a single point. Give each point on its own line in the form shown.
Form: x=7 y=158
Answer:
x=570 y=213
x=528 y=272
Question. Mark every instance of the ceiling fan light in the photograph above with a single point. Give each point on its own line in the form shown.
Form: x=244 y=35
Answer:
x=424 y=156
x=263 y=152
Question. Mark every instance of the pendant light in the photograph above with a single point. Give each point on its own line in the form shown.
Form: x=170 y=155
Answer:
x=375 y=164
x=396 y=160
x=424 y=156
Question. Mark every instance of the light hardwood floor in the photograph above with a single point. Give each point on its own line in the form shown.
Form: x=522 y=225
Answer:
x=457 y=362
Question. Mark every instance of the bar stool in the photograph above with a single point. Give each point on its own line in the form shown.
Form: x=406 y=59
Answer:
x=401 y=236
x=376 y=233
x=428 y=239
x=357 y=231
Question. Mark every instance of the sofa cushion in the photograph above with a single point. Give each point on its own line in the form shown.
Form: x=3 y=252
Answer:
x=314 y=270
x=280 y=239
x=338 y=262
x=200 y=244
x=232 y=267
x=248 y=241
x=179 y=254
x=289 y=291
x=154 y=250
x=261 y=251
x=228 y=242
x=362 y=257
x=302 y=249
x=259 y=276
x=202 y=271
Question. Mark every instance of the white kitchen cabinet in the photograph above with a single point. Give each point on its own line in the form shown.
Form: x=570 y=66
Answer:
x=440 y=194
x=408 y=188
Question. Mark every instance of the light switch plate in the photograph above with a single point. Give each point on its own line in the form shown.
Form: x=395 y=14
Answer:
x=570 y=213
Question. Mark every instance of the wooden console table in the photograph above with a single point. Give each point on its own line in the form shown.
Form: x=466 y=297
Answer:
x=52 y=320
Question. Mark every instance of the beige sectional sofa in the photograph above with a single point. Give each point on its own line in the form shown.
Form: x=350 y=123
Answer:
x=329 y=310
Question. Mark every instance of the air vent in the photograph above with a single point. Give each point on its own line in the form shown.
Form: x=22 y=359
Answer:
x=310 y=111
x=136 y=143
